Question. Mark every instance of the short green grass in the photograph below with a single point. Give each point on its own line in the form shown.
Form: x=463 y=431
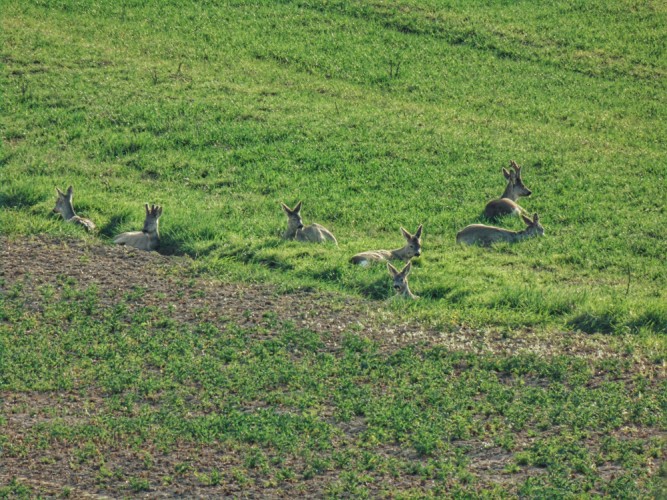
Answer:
x=374 y=115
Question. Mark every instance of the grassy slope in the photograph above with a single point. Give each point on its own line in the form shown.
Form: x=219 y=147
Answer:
x=219 y=113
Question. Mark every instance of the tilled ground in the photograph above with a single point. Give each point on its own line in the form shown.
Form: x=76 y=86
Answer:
x=160 y=281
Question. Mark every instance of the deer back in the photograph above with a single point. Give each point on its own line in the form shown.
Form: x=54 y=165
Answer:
x=315 y=233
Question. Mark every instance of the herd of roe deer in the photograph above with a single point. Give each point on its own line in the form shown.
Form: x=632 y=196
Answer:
x=475 y=234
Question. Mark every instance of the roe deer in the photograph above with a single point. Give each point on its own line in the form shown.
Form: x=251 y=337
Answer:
x=412 y=248
x=487 y=235
x=65 y=208
x=401 y=281
x=506 y=204
x=149 y=237
x=297 y=231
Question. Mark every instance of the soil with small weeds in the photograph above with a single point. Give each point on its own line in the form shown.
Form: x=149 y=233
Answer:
x=164 y=282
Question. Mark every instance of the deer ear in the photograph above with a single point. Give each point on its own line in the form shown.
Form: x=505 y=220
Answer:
x=69 y=192
x=406 y=235
x=297 y=209
x=536 y=218
x=406 y=270
x=527 y=220
x=286 y=209
x=392 y=270
x=418 y=234
x=506 y=173
x=147 y=209
x=60 y=193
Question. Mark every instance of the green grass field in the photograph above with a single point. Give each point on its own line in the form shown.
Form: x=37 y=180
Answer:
x=376 y=115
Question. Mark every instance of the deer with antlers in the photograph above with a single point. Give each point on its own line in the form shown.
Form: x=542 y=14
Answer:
x=506 y=204
x=149 y=237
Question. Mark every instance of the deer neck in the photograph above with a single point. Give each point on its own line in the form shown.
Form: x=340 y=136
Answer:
x=153 y=232
x=405 y=292
x=521 y=235
x=67 y=211
x=290 y=234
x=401 y=253
x=510 y=193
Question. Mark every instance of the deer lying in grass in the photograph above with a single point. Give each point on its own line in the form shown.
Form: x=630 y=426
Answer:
x=149 y=237
x=412 y=248
x=506 y=204
x=401 y=281
x=487 y=235
x=314 y=233
x=65 y=208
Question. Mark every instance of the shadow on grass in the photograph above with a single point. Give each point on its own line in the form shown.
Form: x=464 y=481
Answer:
x=111 y=228
x=20 y=197
x=243 y=253
x=377 y=290
x=617 y=321
x=655 y=319
x=591 y=322
x=444 y=292
x=329 y=274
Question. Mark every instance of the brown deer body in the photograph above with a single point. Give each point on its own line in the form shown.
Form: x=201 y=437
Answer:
x=314 y=233
x=65 y=208
x=412 y=248
x=400 y=281
x=506 y=204
x=147 y=239
x=479 y=234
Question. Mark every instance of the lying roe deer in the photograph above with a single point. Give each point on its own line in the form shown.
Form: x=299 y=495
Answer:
x=412 y=248
x=506 y=204
x=487 y=235
x=149 y=237
x=401 y=281
x=314 y=233
x=65 y=208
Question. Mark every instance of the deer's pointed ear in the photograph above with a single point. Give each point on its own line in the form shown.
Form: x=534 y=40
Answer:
x=392 y=270
x=406 y=235
x=506 y=173
x=297 y=209
x=536 y=218
x=287 y=209
x=60 y=193
x=418 y=233
x=406 y=270
x=69 y=192
x=147 y=209
x=527 y=220
x=515 y=166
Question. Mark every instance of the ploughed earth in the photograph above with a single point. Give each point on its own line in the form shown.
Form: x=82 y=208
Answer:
x=160 y=281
